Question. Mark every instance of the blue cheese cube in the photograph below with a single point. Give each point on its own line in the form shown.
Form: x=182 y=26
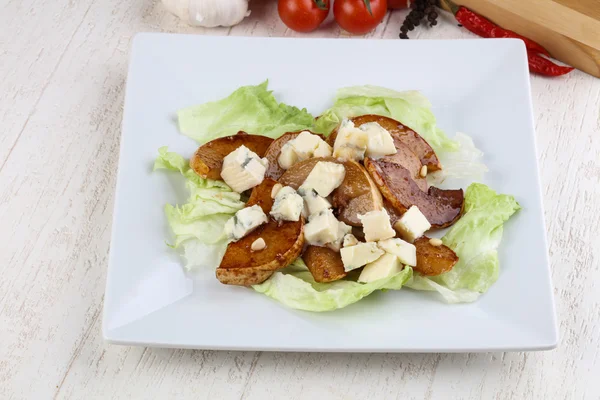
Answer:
x=287 y=206
x=243 y=169
x=350 y=142
x=304 y=146
x=324 y=178
x=412 y=225
x=343 y=230
x=350 y=240
x=244 y=221
x=321 y=229
x=385 y=266
x=406 y=252
x=361 y=254
x=314 y=203
x=380 y=141
x=377 y=226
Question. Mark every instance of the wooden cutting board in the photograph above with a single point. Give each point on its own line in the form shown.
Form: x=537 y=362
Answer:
x=569 y=29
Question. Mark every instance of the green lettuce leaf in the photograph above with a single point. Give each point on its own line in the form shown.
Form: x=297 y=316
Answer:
x=210 y=204
x=297 y=289
x=475 y=238
x=252 y=109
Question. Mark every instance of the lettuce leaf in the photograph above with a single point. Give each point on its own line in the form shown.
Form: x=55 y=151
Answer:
x=475 y=238
x=297 y=289
x=252 y=109
x=210 y=204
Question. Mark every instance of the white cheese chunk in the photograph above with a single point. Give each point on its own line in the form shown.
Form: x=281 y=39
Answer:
x=385 y=266
x=380 y=141
x=412 y=225
x=288 y=205
x=303 y=147
x=361 y=254
x=343 y=230
x=314 y=203
x=377 y=226
x=287 y=156
x=244 y=221
x=350 y=240
x=350 y=142
x=308 y=145
x=243 y=169
x=324 y=178
x=321 y=229
x=406 y=252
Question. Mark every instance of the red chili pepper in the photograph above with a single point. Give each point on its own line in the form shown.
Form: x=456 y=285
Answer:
x=487 y=29
x=543 y=66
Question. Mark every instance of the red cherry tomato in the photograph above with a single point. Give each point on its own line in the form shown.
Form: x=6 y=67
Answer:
x=399 y=3
x=353 y=15
x=302 y=15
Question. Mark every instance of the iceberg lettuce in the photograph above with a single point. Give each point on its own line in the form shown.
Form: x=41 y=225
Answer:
x=297 y=289
x=252 y=109
x=210 y=204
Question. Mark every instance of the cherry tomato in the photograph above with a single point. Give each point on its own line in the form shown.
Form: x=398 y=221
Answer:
x=399 y=3
x=353 y=15
x=302 y=15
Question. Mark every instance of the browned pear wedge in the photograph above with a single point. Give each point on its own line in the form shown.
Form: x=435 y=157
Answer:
x=324 y=264
x=243 y=266
x=274 y=171
x=409 y=160
x=433 y=260
x=357 y=195
x=402 y=133
x=441 y=207
x=208 y=159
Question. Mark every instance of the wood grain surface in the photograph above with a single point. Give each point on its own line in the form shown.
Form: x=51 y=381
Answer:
x=62 y=73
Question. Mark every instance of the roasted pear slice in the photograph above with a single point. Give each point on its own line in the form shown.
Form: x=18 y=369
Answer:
x=433 y=260
x=441 y=207
x=243 y=266
x=274 y=171
x=208 y=159
x=324 y=264
x=357 y=194
x=402 y=133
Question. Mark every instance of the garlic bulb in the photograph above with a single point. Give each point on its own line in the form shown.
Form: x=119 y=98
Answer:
x=209 y=13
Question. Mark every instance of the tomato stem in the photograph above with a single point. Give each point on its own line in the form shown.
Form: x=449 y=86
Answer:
x=368 y=5
x=321 y=4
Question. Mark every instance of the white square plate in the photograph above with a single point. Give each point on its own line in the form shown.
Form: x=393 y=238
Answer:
x=480 y=87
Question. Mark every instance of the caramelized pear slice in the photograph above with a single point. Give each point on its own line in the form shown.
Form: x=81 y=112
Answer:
x=357 y=195
x=207 y=161
x=324 y=264
x=243 y=266
x=433 y=260
x=441 y=207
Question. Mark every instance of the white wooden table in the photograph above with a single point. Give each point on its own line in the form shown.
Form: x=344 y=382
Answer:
x=63 y=67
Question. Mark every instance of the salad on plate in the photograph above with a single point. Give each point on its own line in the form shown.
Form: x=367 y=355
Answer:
x=318 y=213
